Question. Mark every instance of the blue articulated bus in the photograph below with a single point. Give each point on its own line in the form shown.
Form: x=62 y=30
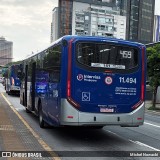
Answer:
x=86 y=81
x=12 y=82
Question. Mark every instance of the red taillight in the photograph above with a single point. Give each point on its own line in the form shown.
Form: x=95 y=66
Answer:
x=143 y=74
x=142 y=81
x=12 y=81
x=69 y=116
x=70 y=100
x=107 y=71
x=137 y=105
x=68 y=88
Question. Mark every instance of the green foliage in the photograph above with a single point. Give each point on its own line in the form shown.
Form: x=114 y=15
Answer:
x=153 y=67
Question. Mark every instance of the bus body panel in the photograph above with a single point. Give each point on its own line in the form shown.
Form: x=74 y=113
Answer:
x=88 y=97
x=96 y=94
x=71 y=116
x=113 y=92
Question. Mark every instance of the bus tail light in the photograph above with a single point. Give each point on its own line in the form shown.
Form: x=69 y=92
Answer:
x=139 y=118
x=137 y=105
x=70 y=100
x=12 y=81
x=143 y=74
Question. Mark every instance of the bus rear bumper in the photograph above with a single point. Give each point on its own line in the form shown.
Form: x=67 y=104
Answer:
x=15 y=88
x=73 y=117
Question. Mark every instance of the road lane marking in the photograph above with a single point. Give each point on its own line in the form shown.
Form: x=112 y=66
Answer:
x=145 y=145
x=152 y=124
x=41 y=142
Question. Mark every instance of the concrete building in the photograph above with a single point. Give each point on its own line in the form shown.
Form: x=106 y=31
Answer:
x=93 y=20
x=99 y=18
x=129 y=19
x=6 y=51
x=54 y=24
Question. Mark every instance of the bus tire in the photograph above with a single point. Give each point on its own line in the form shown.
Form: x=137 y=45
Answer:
x=27 y=110
x=40 y=115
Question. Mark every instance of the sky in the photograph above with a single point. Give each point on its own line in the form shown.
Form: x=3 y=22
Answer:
x=27 y=23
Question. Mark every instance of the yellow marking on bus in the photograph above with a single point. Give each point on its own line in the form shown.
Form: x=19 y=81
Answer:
x=41 y=142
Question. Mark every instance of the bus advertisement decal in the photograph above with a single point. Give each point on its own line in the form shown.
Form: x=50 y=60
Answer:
x=88 y=78
x=125 y=91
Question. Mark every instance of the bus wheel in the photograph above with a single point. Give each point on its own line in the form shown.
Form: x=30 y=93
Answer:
x=27 y=110
x=40 y=113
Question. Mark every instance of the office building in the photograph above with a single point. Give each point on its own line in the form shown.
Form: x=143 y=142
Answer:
x=94 y=17
x=93 y=20
x=140 y=20
x=6 y=51
x=54 y=24
x=126 y=19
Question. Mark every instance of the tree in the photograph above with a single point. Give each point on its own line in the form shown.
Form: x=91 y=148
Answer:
x=153 y=66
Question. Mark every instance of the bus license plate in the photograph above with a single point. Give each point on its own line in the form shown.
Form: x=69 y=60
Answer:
x=107 y=110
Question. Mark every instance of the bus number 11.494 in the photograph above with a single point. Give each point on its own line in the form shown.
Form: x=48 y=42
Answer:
x=127 y=80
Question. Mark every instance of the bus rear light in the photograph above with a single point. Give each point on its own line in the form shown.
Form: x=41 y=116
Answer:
x=68 y=88
x=137 y=105
x=69 y=116
x=69 y=72
x=143 y=74
x=107 y=71
x=139 y=118
x=142 y=92
x=12 y=81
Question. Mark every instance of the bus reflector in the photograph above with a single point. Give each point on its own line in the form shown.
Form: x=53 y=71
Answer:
x=137 y=105
x=143 y=74
x=69 y=116
x=107 y=71
x=139 y=118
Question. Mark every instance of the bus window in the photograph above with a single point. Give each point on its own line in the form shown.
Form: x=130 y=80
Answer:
x=107 y=56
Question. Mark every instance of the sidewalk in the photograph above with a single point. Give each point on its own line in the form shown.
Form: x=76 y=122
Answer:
x=14 y=135
x=148 y=104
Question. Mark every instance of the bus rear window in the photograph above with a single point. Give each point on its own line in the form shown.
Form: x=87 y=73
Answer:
x=107 y=56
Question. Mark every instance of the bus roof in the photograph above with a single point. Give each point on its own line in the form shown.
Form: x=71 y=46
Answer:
x=89 y=38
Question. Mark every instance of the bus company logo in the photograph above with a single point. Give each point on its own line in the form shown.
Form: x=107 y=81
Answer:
x=80 y=77
x=108 y=80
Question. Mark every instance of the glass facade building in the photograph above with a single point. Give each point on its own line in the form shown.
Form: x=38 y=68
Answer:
x=139 y=17
x=140 y=20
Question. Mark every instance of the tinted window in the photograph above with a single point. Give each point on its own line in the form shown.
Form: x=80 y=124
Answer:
x=107 y=56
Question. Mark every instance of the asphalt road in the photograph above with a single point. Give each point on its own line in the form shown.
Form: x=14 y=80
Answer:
x=93 y=142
